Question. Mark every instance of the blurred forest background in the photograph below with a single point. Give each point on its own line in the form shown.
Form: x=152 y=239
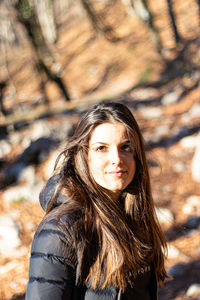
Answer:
x=57 y=58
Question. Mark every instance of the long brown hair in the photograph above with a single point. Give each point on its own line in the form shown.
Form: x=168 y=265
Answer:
x=117 y=238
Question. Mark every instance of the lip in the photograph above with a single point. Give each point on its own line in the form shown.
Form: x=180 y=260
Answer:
x=116 y=172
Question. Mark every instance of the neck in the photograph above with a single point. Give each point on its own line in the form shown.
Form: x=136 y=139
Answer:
x=115 y=195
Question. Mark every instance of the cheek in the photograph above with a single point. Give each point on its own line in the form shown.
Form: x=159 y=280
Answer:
x=132 y=164
x=95 y=164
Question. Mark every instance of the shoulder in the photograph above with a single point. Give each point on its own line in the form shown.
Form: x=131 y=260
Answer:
x=57 y=237
x=48 y=238
x=53 y=261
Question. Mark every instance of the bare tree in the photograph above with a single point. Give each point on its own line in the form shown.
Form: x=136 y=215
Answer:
x=45 y=61
x=141 y=9
x=98 y=21
x=8 y=37
x=45 y=13
x=198 y=2
x=173 y=21
x=3 y=110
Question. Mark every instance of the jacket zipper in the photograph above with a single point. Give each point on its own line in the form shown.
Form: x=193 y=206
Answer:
x=119 y=296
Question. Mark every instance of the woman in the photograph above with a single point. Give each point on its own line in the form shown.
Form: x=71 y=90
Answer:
x=100 y=238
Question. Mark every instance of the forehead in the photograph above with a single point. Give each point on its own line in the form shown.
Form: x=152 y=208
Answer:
x=109 y=133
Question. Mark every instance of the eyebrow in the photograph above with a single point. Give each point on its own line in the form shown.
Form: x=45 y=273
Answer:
x=102 y=143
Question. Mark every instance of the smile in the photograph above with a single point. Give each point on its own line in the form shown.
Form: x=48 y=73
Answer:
x=117 y=173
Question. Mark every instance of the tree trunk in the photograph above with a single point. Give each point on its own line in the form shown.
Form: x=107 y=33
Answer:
x=44 y=58
x=151 y=23
x=173 y=20
x=141 y=9
x=98 y=22
x=8 y=37
x=198 y=2
x=2 y=108
x=45 y=13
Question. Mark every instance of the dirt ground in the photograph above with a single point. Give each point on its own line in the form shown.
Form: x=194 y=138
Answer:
x=95 y=69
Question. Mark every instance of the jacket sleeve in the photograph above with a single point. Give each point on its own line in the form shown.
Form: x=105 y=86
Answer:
x=51 y=273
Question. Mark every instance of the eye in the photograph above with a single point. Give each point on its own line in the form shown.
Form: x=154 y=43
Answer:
x=127 y=148
x=100 y=148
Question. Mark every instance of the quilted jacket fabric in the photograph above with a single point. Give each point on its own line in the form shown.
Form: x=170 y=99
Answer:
x=54 y=262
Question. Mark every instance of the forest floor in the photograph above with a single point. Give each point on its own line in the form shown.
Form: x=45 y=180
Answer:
x=96 y=69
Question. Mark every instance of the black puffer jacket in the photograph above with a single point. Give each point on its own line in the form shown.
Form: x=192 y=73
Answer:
x=52 y=272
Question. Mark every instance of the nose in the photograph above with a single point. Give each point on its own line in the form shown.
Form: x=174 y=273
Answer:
x=115 y=157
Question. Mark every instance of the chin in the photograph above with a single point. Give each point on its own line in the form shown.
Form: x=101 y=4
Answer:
x=117 y=189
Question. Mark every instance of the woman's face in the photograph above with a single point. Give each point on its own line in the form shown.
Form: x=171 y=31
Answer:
x=111 y=157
